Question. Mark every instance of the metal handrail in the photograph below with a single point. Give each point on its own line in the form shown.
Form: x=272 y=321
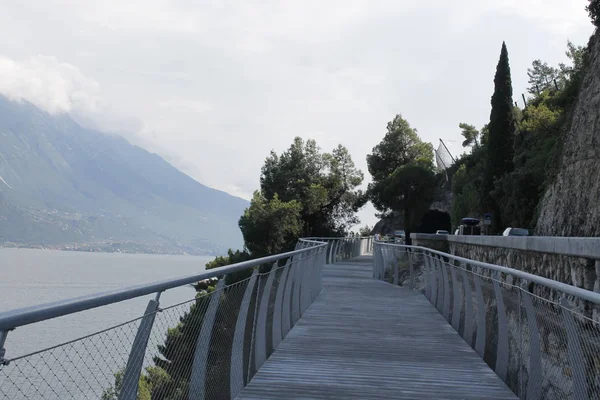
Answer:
x=28 y=315
x=529 y=326
x=552 y=284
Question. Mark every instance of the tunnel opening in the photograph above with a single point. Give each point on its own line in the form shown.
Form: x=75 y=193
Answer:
x=435 y=220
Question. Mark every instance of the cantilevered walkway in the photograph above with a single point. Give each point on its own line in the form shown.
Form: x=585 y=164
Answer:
x=367 y=339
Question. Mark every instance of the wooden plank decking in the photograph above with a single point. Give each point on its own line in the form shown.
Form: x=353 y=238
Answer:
x=367 y=339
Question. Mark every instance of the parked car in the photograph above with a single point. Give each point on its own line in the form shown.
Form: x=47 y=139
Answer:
x=470 y=226
x=515 y=232
x=442 y=232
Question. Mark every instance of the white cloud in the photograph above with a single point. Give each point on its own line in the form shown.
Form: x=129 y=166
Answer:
x=215 y=85
x=53 y=86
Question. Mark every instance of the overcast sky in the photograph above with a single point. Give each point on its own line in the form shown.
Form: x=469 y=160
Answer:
x=214 y=85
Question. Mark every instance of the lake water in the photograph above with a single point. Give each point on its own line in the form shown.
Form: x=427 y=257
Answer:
x=29 y=277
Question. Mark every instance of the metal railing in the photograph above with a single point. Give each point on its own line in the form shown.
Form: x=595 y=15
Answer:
x=542 y=337
x=345 y=248
x=208 y=347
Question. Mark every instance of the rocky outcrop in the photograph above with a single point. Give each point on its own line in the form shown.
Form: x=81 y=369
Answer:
x=571 y=205
x=387 y=226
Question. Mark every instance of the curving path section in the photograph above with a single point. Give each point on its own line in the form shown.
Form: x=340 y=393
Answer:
x=366 y=339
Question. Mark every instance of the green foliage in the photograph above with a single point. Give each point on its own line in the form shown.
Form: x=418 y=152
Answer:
x=500 y=141
x=323 y=184
x=401 y=145
x=144 y=388
x=470 y=133
x=541 y=76
x=466 y=186
x=303 y=192
x=271 y=226
x=593 y=10
x=402 y=169
x=409 y=189
x=231 y=258
x=365 y=231
x=515 y=193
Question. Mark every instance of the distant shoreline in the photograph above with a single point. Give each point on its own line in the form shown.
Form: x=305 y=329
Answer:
x=129 y=248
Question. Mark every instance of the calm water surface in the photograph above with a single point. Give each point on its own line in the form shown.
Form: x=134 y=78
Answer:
x=29 y=277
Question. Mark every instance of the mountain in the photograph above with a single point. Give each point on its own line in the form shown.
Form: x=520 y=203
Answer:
x=64 y=186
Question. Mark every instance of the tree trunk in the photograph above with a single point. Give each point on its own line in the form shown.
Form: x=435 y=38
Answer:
x=407 y=239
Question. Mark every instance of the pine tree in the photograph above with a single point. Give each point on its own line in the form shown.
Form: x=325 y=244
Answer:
x=500 y=141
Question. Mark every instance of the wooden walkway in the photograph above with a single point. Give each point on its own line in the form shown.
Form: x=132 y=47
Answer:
x=367 y=339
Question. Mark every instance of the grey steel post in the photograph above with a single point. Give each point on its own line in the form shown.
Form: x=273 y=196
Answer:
x=434 y=285
x=3 y=335
x=198 y=376
x=236 y=376
x=457 y=297
x=286 y=315
x=502 y=350
x=534 y=383
x=427 y=275
x=277 y=313
x=480 y=339
x=411 y=270
x=396 y=261
x=468 y=331
x=260 y=344
x=133 y=369
x=444 y=270
x=576 y=359
x=296 y=289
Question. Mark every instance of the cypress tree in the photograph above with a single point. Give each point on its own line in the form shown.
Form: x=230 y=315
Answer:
x=500 y=143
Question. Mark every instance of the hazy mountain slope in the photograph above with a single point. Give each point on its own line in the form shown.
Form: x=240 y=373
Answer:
x=61 y=184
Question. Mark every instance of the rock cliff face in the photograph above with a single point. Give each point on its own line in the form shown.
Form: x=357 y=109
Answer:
x=571 y=206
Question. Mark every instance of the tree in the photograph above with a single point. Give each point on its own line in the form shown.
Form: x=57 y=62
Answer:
x=409 y=189
x=470 y=133
x=571 y=74
x=500 y=141
x=324 y=184
x=365 y=231
x=270 y=226
x=541 y=76
x=402 y=169
x=400 y=146
x=593 y=10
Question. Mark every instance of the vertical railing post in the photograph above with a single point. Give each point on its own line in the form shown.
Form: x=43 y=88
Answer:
x=286 y=316
x=534 y=383
x=395 y=261
x=446 y=306
x=296 y=288
x=457 y=299
x=236 y=376
x=3 y=336
x=135 y=362
x=502 y=350
x=468 y=329
x=480 y=339
x=198 y=376
x=434 y=281
x=411 y=270
x=260 y=344
x=576 y=359
x=279 y=300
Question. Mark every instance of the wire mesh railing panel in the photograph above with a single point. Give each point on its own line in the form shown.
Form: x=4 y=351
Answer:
x=588 y=330
x=81 y=369
x=208 y=347
x=543 y=348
